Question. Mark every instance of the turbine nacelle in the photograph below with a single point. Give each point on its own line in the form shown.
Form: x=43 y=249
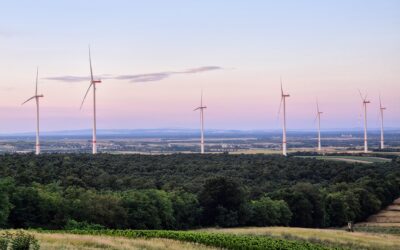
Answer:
x=33 y=97
x=364 y=98
x=203 y=107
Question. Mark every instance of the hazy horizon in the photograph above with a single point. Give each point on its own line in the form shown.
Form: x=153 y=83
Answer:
x=88 y=131
x=155 y=57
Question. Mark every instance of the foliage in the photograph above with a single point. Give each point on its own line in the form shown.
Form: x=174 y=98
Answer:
x=176 y=192
x=76 y=225
x=223 y=202
x=5 y=205
x=268 y=212
x=225 y=241
x=18 y=241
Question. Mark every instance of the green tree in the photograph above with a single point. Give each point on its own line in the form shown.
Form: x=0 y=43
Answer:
x=186 y=209
x=337 y=209
x=223 y=202
x=268 y=212
x=5 y=205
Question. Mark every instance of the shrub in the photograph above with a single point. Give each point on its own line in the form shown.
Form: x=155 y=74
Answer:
x=4 y=240
x=73 y=224
x=18 y=241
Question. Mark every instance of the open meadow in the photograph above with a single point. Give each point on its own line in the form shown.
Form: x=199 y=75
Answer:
x=65 y=241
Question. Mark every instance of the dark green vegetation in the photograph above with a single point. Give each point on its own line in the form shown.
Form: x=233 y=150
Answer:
x=378 y=229
x=225 y=241
x=188 y=191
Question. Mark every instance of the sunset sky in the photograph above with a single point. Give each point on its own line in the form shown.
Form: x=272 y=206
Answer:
x=155 y=56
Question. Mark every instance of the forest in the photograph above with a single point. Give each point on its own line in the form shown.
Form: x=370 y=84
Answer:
x=184 y=191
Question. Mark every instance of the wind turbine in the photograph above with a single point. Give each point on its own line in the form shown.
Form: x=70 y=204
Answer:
x=319 y=113
x=92 y=83
x=381 y=108
x=36 y=97
x=201 y=108
x=365 y=102
x=283 y=101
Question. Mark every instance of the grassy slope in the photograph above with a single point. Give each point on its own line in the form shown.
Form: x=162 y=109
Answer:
x=63 y=241
x=330 y=237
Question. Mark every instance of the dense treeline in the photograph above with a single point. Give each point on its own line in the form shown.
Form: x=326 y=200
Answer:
x=188 y=191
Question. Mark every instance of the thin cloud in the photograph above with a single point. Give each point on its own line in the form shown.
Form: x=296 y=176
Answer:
x=68 y=78
x=201 y=69
x=150 y=77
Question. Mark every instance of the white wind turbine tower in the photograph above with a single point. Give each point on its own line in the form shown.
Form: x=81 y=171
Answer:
x=36 y=97
x=92 y=83
x=201 y=108
x=382 y=109
x=283 y=101
x=319 y=113
x=365 y=102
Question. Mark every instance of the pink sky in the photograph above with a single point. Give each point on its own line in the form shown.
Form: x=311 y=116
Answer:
x=324 y=50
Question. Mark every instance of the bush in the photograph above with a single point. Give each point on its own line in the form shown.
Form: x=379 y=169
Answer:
x=18 y=241
x=73 y=224
x=4 y=240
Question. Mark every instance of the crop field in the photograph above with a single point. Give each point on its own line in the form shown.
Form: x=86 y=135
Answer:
x=67 y=241
x=153 y=239
x=350 y=159
x=234 y=238
x=328 y=237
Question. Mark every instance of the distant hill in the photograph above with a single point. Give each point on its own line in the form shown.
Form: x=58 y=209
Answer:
x=185 y=132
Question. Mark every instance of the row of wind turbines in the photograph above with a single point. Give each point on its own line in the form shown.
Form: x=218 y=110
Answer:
x=365 y=102
x=92 y=84
x=201 y=108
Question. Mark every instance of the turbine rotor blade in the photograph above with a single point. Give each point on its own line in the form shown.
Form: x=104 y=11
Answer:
x=37 y=74
x=316 y=117
x=90 y=63
x=87 y=91
x=362 y=97
x=280 y=107
x=33 y=97
x=201 y=98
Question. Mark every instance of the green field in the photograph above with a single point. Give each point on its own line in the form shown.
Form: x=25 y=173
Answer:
x=327 y=237
x=233 y=238
x=146 y=239
x=347 y=158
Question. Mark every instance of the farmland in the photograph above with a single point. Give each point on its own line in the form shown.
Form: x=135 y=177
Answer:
x=212 y=238
x=66 y=241
x=198 y=240
x=351 y=159
x=327 y=237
